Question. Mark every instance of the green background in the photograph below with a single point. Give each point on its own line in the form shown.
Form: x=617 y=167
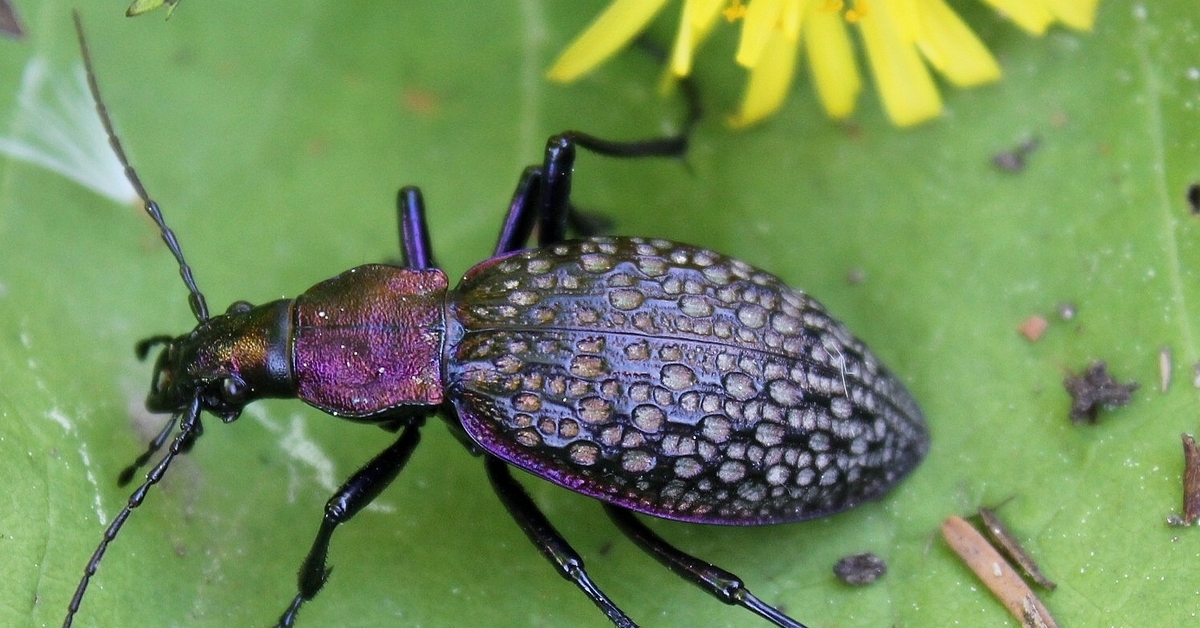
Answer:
x=275 y=135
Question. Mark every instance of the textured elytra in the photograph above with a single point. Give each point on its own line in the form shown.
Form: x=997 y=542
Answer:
x=676 y=382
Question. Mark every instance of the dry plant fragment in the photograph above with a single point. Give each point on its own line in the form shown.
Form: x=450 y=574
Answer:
x=1166 y=364
x=1008 y=543
x=1191 y=484
x=996 y=573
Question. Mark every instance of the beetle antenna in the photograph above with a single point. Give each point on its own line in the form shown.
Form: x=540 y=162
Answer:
x=189 y=427
x=195 y=297
x=189 y=420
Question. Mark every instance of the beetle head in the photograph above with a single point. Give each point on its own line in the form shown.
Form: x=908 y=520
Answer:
x=227 y=361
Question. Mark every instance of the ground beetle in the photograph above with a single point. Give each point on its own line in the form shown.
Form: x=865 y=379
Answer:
x=657 y=377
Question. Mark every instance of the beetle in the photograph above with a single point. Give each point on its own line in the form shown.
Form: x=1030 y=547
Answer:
x=657 y=377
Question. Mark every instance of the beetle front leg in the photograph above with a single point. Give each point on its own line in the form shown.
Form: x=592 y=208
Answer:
x=552 y=545
x=361 y=489
x=719 y=583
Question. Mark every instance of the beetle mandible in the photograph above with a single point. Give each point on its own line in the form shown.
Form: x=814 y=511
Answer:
x=657 y=377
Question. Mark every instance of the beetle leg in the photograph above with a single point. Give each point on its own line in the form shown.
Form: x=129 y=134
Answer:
x=552 y=545
x=719 y=583
x=554 y=197
x=128 y=472
x=543 y=193
x=361 y=489
x=415 y=249
x=518 y=222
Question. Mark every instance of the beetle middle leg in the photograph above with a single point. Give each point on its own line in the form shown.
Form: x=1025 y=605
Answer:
x=361 y=489
x=415 y=250
x=719 y=583
x=552 y=545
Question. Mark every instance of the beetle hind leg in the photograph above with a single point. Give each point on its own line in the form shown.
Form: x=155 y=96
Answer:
x=719 y=583
x=552 y=545
x=543 y=194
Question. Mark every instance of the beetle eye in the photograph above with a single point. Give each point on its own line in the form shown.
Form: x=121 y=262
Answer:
x=233 y=390
x=237 y=307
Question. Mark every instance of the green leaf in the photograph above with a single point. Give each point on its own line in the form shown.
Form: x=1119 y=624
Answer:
x=275 y=136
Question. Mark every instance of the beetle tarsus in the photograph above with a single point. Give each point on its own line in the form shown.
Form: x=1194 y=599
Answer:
x=288 y=618
x=547 y=539
x=361 y=489
x=128 y=472
x=719 y=583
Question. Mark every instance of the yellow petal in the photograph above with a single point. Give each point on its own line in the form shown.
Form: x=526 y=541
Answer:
x=951 y=47
x=905 y=86
x=769 y=81
x=758 y=28
x=831 y=61
x=902 y=14
x=619 y=23
x=1030 y=15
x=1078 y=14
x=695 y=22
x=789 y=21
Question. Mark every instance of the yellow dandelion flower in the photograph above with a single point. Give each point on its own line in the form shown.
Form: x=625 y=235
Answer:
x=904 y=40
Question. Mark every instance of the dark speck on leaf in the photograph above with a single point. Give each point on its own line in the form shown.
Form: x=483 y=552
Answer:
x=1094 y=388
x=1193 y=197
x=1014 y=160
x=860 y=569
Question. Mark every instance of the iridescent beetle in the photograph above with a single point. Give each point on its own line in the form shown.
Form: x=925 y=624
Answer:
x=656 y=377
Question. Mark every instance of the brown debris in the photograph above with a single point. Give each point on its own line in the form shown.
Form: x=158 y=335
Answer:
x=1191 y=484
x=996 y=574
x=1012 y=548
x=1093 y=389
x=1033 y=327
